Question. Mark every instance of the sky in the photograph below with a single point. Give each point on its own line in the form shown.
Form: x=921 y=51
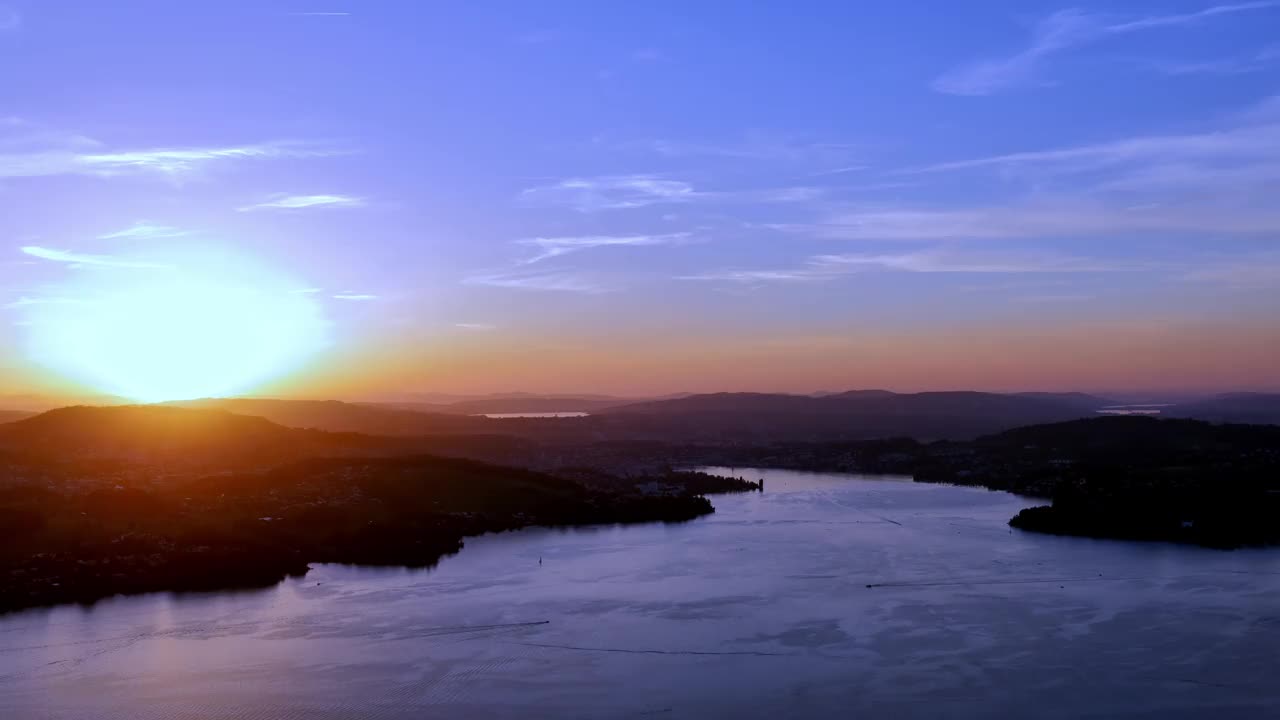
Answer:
x=644 y=198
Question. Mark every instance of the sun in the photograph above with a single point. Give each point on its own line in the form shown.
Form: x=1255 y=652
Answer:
x=160 y=334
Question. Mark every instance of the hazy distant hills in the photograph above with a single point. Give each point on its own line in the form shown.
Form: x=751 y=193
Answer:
x=527 y=404
x=36 y=403
x=1074 y=399
x=258 y=431
x=1253 y=408
x=872 y=402
x=435 y=399
x=693 y=419
x=212 y=438
x=7 y=416
x=181 y=436
x=335 y=416
x=1135 y=438
x=861 y=414
x=505 y=403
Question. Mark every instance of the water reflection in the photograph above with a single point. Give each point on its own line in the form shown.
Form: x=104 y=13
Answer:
x=824 y=596
x=505 y=416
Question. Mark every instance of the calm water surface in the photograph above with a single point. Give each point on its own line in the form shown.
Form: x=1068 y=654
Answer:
x=509 y=416
x=826 y=596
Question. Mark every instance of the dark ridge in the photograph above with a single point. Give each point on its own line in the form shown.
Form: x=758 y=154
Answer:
x=101 y=501
x=8 y=416
x=336 y=416
x=1256 y=408
x=762 y=417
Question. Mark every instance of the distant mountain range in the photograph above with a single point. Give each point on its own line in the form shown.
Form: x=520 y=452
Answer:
x=336 y=416
x=871 y=401
x=858 y=414
x=213 y=438
x=181 y=436
x=706 y=418
x=719 y=416
x=8 y=416
x=438 y=399
x=528 y=404
x=1251 y=408
x=36 y=402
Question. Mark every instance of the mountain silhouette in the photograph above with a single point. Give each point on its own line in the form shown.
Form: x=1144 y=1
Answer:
x=336 y=416
x=8 y=416
x=1254 y=408
x=178 y=436
x=535 y=404
x=869 y=401
x=858 y=414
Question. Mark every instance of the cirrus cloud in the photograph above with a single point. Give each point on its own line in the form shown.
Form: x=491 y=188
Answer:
x=610 y=192
x=303 y=202
x=1062 y=31
x=76 y=258
x=144 y=230
x=553 y=281
x=550 y=247
x=168 y=162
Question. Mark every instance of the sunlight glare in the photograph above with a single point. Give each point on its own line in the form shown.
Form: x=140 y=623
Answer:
x=154 y=336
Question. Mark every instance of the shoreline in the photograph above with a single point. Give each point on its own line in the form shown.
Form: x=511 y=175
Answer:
x=141 y=564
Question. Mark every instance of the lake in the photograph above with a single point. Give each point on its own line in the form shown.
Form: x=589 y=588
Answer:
x=825 y=596
x=508 y=416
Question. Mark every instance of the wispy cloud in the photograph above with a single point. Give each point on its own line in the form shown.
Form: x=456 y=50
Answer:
x=28 y=301
x=1259 y=272
x=301 y=202
x=1063 y=218
x=162 y=161
x=1191 y=18
x=75 y=258
x=1062 y=31
x=1052 y=298
x=1256 y=61
x=555 y=247
x=1059 y=31
x=758 y=147
x=475 y=326
x=615 y=192
x=839 y=171
x=144 y=230
x=183 y=160
x=550 y=281
x=966 y=262
x=826 y=267
x=1218 y=180
x=1232 y=144
x=355 y=296
x=796 y=194
x=756 y=277
x=610 y=192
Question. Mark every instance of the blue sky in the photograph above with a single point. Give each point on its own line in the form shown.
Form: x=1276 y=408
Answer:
x=618 y=197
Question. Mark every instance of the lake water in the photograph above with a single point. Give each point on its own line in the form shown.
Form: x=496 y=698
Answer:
x=506 y=416
x=826 y=596
x=1142 y=409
